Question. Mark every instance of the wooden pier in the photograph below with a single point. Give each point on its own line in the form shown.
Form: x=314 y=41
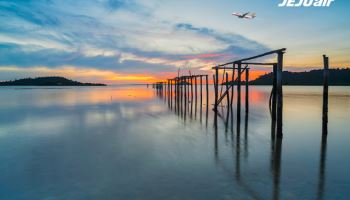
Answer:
x=182 y=94
x=242 y=66
x=182 y=91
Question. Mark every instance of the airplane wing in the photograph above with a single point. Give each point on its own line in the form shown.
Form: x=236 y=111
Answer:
x=245 y=14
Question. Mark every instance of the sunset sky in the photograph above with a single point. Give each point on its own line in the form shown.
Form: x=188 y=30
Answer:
x=139 y=41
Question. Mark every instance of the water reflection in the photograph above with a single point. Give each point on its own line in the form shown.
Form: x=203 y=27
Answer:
x=322 y=168
x=226 y=115
x=127 y=147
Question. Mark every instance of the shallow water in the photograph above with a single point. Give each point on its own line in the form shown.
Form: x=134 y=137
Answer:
x=126 y=142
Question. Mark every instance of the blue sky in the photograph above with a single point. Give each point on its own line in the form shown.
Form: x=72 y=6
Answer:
x=127 y=40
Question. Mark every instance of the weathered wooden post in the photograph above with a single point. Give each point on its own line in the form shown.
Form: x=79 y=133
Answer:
x=216 y=85
x=280 y=94
x=165 y=91
x=191 y=77
x=228 y=102
x=201 y=90
x=186 y=97
x=171 y=93
x=201 y=101
x=188 y=82
x=227 y=96
x=207 y=88
x=181 y=93
x=233 y=82
x=247 y=90
x=239 y=79
x=274 y=98
x=195 y=95
x=325 y=95
x=169 y=89
x=215 y=80
x=175 y=93
x=186 y=89
x=207 y=101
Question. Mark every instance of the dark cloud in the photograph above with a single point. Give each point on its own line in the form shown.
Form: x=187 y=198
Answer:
x=13 y=55
x=66 y=33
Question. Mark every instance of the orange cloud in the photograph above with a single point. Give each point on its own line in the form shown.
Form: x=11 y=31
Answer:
x=81 y=74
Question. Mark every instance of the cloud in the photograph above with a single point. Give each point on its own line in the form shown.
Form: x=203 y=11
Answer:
x=82 y=74
x=114 y=35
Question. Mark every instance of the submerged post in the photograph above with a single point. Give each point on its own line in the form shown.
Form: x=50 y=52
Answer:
x=247 y=90
x=239 y=66
x=165 y=90
x=191 y=77
x=195 y=88
x=175 y=93
x=274 y=97
x=201 y=101
x=216 y=84
x=181 y=93
x=195 y=91
x=207 y=87
x=228 y=96
x=279 y=94
x=186 y=93
x=233 y=83
x=325 y=95
x=171 y=93
x=201 y=82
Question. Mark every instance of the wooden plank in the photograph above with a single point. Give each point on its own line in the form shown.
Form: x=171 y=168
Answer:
x=255 y=57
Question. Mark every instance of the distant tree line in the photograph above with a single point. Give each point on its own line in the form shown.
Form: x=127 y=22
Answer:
x=337 y=77
x=47 y=81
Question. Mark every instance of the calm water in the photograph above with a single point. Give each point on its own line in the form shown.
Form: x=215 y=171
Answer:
x=126 y=143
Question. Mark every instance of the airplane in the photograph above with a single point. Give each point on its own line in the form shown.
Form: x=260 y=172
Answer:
x=247 y=15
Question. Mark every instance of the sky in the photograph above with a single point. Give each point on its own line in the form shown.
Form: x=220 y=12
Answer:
x=142 y=41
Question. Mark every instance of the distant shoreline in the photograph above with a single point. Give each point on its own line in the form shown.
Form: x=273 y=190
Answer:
x=337 y=77
x=54 y=81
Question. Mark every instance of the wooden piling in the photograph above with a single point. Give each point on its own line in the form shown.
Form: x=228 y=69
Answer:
x=228 y=96
x=216 y=84
x=239 y=79
x=207 y=89
x=325 y=95
x=247 y=90
x=175 y=94
x=201 y=90
x=274 y=98
x=171 y=93
x=216 y=98
x=233 y=82
x=195 y=95
x=165 y=91
x=201 y=100
x=195 y=88
x=186 y=89
x=181 y=93
x=191 y=77
x=279 y=94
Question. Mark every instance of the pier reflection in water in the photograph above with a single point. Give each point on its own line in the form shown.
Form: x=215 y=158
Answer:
x=225 y=114
x=125 y=142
